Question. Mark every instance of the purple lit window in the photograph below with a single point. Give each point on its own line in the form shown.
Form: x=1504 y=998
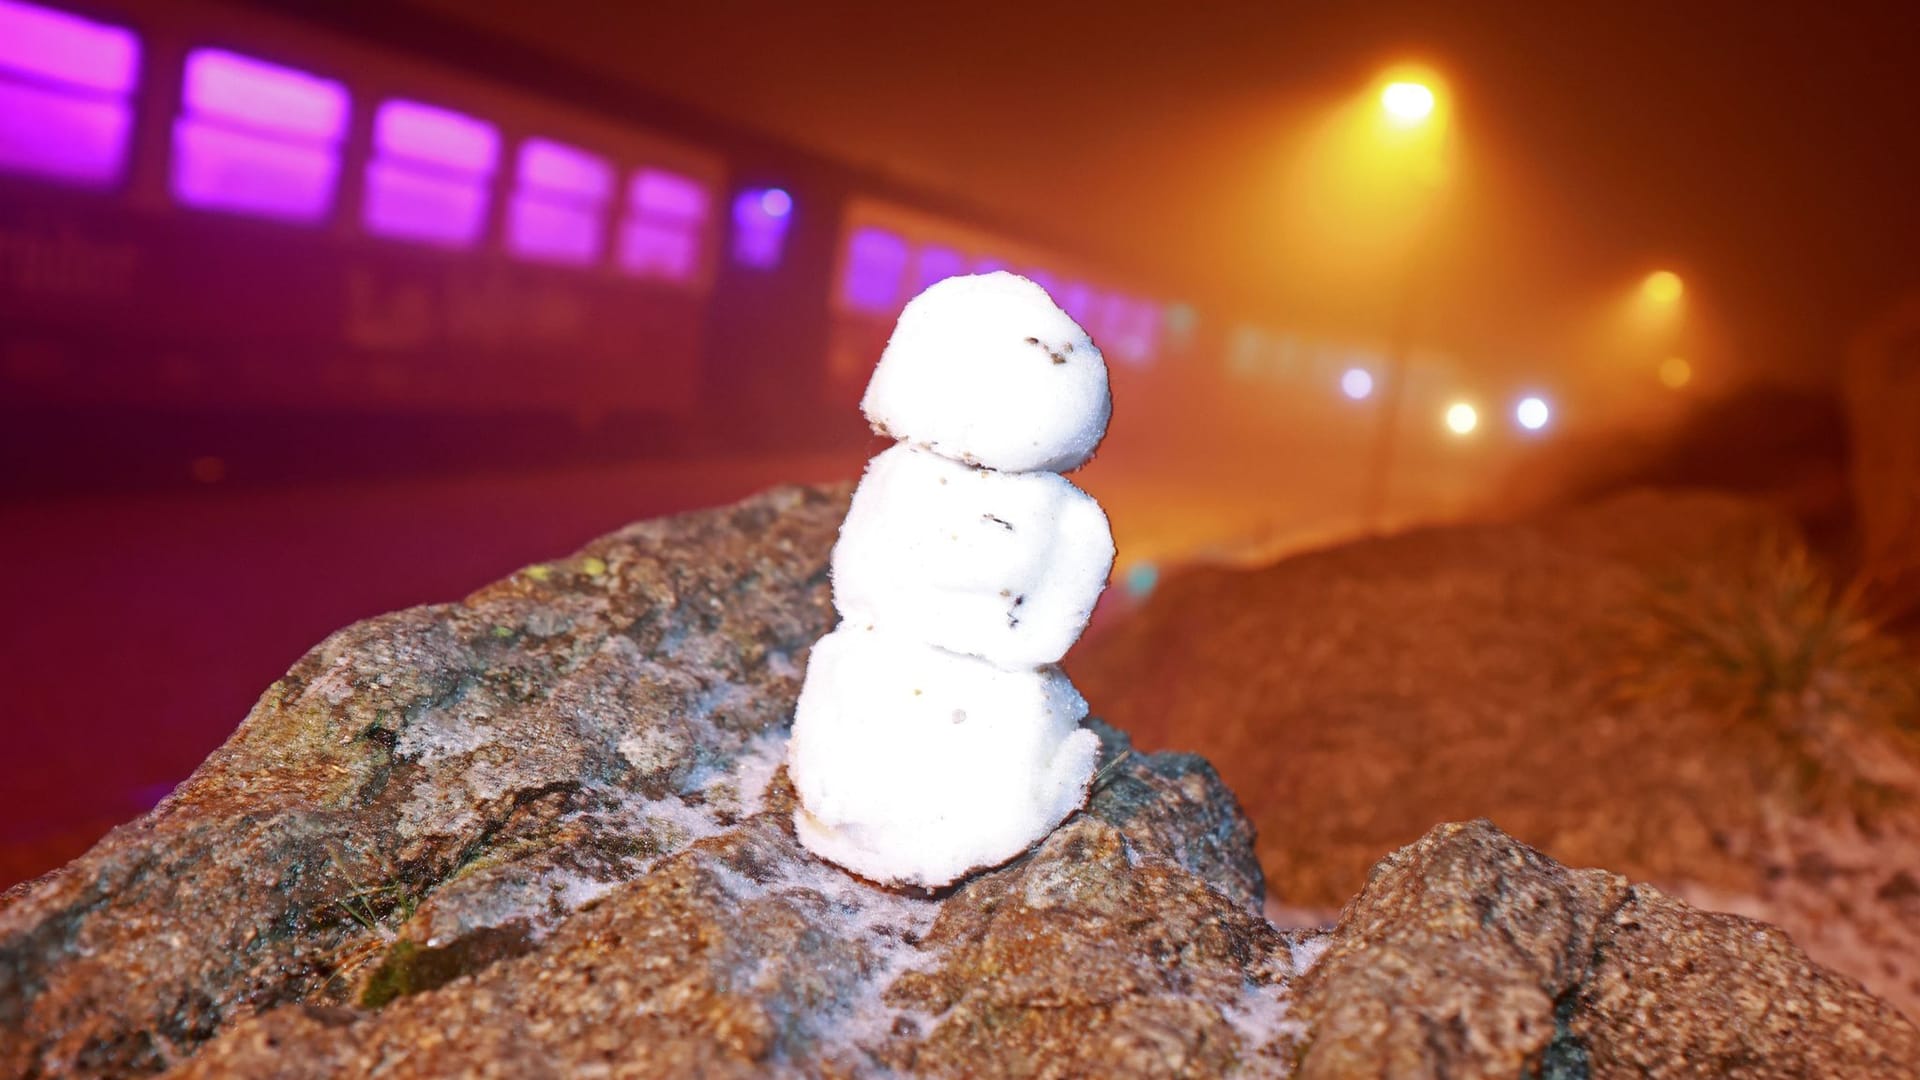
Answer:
x=666 y=218
x=258 y=139
x=430 y=174
x=1042 y=278
x=1129 y=328
x=876 y=260
x=760 y=220
x=559 y=207
x=64 y=89
x=936 y=264
x=1079 y=301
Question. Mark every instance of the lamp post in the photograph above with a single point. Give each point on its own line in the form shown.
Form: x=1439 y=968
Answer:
x=1415 y=125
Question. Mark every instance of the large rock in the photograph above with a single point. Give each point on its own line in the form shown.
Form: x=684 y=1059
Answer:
x=1469 y=954
x=545 y=831
x=1663 y=684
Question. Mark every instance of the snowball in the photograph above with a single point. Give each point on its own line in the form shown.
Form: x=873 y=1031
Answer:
x=986 y=370
x=1003 y=566
x=915 y=765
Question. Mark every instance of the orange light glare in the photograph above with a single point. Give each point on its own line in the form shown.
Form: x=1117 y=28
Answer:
x=1675 y=372
x=1662 y=287
x=1407 y=103
x=1462 y=418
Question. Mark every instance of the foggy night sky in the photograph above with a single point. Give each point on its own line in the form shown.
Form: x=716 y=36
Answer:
x=1766 y=151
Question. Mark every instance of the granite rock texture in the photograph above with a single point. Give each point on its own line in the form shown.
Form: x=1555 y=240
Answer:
x=545 y=832
x=1665 y=684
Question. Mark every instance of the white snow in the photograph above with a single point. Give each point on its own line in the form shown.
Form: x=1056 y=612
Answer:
x=916 y=765
x=987 y=370
x=933 y=735
x=1003 y=566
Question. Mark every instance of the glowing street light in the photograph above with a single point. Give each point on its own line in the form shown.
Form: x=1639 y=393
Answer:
x=1407 y=103
x=1532 y=413
x=1663 y=287
x=1357 y=383
x=1462 y=418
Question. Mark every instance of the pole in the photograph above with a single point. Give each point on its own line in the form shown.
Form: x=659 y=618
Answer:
x=1373 y=508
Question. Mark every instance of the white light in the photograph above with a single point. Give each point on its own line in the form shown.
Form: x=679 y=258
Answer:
x=1407 y=103
x=1532 y=413
x=1357 y=383
x=1462 y=418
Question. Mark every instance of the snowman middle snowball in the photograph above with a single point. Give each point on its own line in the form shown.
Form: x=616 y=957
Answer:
x=934 y=735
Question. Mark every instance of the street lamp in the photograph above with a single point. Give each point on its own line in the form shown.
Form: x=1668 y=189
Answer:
x=1407 y=103
x=1412 y=110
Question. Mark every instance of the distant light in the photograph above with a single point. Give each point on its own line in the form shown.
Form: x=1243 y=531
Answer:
x=1357 y=383
x=1662 y=287
x=54 y=48
x=666 y=219
x=1407 y=103
x=1675 y=372
x=1141 y=579
x=1462 y=418
x=760 y=220
x=876 y=261
x=258 y=139
x=559 y=207
x=429 y=177
x=1532 y=413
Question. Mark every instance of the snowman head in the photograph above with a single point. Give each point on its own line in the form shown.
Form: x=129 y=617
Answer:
x=987 y=370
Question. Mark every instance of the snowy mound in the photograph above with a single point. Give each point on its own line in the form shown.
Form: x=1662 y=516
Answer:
x=915 y=765
x=987 y=370
x=1003 y=566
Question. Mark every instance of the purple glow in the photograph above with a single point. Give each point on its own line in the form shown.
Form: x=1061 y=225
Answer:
x=47 y=133
x=435 y=136
x=1079 y=301
x=551 y=232
x=564 y=172
x=429 y=181
x=257 y=138
x=936 y=264
x=987 y=264
x=759 y=234
x=558 y=212
x=61 y=48
x=1128 y=329
x=225 y=170
x=876 y=259
x=658 y=194
x=413 y=205
x=1041 y=278
x=664 y=250
x=237 y=91
x=666 y=214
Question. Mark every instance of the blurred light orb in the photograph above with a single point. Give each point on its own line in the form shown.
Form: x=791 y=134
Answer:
x=776 y=203
x=1462 y=418
x=1663 y=287
x=1141 y=578
x=1356 y=383
x=1407 y=103
x=1532 y=412
x=1675 y=372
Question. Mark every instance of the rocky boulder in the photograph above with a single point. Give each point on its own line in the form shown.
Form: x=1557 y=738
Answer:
x=1666 y=684
x=545 y=831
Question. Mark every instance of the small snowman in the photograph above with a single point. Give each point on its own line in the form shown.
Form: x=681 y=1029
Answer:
x=935 y=734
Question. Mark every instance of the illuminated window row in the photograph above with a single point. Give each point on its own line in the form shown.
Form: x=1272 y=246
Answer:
x=883 y=270
x=263 y=140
